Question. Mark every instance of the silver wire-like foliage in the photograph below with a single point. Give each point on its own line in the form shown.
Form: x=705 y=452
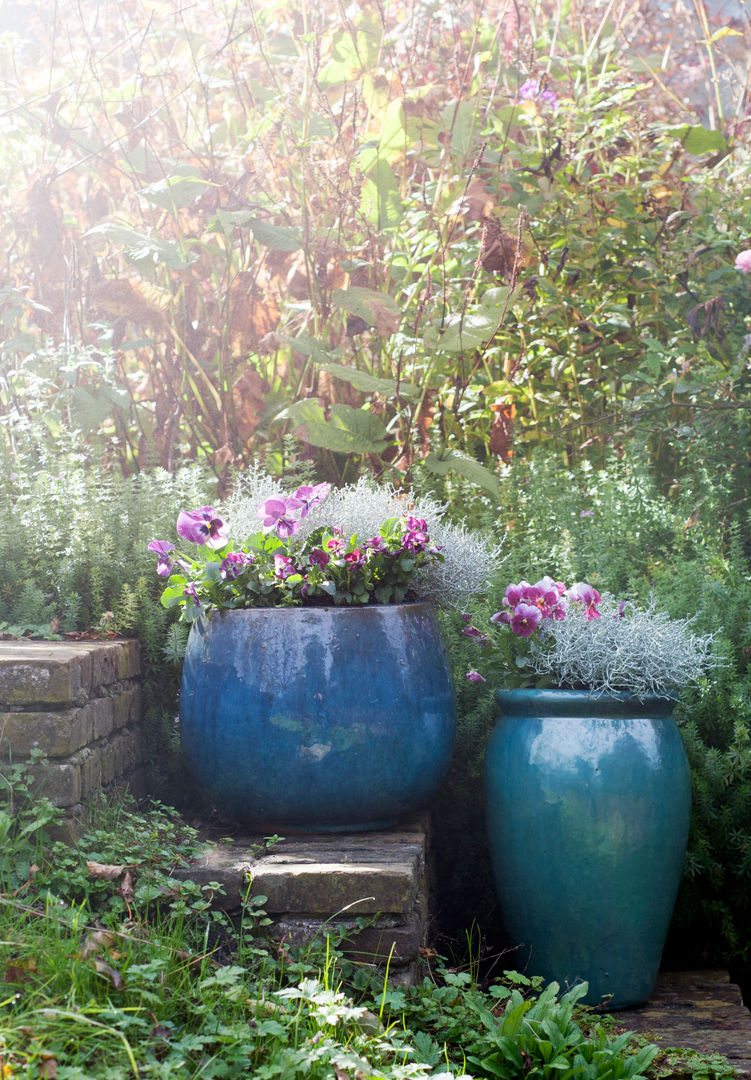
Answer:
x=643 y=652
x=470 y=558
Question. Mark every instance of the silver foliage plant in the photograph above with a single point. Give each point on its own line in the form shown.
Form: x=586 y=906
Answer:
x=641 y=651
x=469 y=557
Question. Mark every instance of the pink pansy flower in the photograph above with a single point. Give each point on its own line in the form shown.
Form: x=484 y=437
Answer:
x=278 y=514
x=743 y=261
x=283 y=566
x=516 y=593
x=203 y=526
x=587 y=596
x=501 y=617
x=475 y=676
x=525 y=620
x=165 y=561
x=311 y=496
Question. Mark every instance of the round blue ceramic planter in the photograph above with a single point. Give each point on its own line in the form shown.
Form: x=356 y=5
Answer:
x=588 y=802
x=320 y=718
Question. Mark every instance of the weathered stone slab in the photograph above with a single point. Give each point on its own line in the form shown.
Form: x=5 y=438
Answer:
x=322 y=884
x=36 y=674
x=701 y=1010
x=363 y=873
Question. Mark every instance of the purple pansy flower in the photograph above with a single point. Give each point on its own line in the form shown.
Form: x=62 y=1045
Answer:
x=311 y=496
x=190 y=592
x=234 y=563
x=203 y=526
x=531 y=90
x=515 y=594
x=416 y=537
x=164 y=561
x=525 y=620
x=283 y=567
x=318 y=557
x=278 y=514
x=587 y=596
x=501 y=617
x=475 y=676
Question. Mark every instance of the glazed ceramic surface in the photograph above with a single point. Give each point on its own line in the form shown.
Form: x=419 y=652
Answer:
x=588 y=802
x=318 y=718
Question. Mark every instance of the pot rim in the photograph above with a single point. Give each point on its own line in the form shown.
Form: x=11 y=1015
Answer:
x=556 y=700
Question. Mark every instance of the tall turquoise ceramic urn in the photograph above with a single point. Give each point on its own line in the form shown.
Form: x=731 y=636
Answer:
x=588 y=802
x=318 y=718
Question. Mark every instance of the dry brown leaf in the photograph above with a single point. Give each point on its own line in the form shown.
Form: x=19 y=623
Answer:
x=251 y=315
x=127 y=889
x=499 y=250
x=19 y=971
x=48 y=1068
x=138 y=301
x=385 y=319
x=248 y=395
x=502 y=430
x=112 y=975
x=476 y=202
x=104 y=871
x=99 y=939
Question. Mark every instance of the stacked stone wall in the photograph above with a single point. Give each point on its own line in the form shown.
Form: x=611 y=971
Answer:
x=79 y=705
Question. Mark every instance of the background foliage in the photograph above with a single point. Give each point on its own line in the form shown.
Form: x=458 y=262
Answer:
x=482 y=250
x=405 y=231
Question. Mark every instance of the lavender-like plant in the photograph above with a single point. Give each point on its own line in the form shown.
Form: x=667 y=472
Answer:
x=643 y=652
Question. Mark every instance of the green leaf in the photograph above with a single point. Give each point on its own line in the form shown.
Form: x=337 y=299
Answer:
x=174 y=191
x=347 y=431
x=140 y=248
x=276 y=237
x=699 y=140
x=307 y=345
x=460 y=121
x=375 y=308
x=467 y=332
x=468 y=467
x=227 y=221
x=381 y=198
x=369 y=384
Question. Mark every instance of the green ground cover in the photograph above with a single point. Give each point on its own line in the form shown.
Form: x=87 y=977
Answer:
x=485 y=253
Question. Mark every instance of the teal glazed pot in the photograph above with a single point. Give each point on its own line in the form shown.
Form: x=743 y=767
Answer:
x=588 y=803
x=318 y=718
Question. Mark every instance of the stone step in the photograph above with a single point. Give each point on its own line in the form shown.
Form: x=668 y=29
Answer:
x=698 y=1010
x=368 y=887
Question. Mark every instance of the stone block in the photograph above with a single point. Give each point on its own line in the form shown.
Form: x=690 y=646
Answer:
x=43 y=673
x=97 y=765
x=59 y=782
x=128 y=751
x=58 y=734
x=321 y=875
x=102 y=712
x=113 y=661
x=56 y=673
x=126 y=705
x=387 y=940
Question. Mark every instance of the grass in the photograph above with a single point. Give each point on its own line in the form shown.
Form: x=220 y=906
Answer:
x=111 y=968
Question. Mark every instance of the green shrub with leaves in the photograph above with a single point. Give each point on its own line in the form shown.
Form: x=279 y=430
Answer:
x=408 y=235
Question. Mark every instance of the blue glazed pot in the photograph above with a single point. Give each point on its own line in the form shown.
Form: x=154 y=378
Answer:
x=318 y=718
x=588 y=803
